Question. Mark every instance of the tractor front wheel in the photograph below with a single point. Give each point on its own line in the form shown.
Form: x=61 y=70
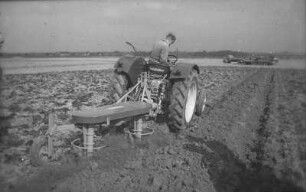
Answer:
x=183 y=102
x=201 y=101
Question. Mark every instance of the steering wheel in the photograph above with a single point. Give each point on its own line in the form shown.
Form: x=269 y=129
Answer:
x=172 y=59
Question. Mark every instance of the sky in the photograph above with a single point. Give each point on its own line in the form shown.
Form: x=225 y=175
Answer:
x=101 y=25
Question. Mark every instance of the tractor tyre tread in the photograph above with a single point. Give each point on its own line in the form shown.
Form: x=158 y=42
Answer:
x=178 y=101
x=119 y=86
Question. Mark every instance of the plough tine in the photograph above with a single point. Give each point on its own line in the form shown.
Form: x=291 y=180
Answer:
x=51 y=128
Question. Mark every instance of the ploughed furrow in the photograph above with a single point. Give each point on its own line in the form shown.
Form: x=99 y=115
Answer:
x=232 y=137
x=262 y=131
x=282 y=137
x=229 y=91
x=233 y=117
x=214 y=80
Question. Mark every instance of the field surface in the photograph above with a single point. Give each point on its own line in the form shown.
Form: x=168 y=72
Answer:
x=252 y=136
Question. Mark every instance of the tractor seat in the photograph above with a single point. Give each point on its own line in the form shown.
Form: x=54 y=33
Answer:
x=156 y=67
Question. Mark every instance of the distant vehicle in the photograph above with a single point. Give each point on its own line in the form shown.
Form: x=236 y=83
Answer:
x=259 y=60
x=231 y=58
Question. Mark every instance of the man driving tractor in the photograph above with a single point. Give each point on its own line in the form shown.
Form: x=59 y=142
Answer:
x=160 y=49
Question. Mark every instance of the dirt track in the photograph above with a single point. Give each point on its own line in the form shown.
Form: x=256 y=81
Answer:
x=251 y=138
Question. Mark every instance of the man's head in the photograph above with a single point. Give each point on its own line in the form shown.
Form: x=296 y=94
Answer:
x=171 y=38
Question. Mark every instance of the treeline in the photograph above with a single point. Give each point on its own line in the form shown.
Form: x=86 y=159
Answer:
x=180 y=54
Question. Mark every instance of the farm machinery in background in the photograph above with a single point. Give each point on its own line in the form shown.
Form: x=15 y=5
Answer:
x=251 y=60
x=259 y=60
x=142 y=90
x=230 y=59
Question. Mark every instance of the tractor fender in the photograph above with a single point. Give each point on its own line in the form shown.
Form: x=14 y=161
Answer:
x=132 y=66
x=182 y=70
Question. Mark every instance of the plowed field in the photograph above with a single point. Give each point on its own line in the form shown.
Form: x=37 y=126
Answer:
x=252 y=136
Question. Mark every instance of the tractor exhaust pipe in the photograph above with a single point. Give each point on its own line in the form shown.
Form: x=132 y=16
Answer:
x=130 y=44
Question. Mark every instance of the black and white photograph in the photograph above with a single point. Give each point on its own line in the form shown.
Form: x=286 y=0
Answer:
x=153 y=95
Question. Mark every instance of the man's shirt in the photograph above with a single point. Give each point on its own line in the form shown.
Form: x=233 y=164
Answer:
x=160 y=51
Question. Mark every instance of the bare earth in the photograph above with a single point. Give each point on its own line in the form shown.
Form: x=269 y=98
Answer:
x=252 y=136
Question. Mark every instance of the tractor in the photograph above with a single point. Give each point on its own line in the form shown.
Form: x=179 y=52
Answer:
x=142 y=89
x=172 y=90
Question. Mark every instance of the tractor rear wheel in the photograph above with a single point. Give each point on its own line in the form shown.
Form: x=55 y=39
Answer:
x=119 y=86
x=183 y=102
